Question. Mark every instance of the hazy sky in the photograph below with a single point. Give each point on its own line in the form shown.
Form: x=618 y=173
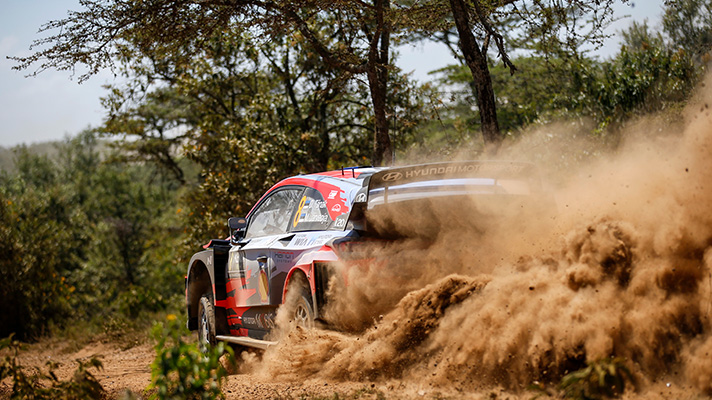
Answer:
x=53 y=105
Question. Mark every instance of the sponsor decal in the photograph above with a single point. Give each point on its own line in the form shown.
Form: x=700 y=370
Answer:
x=260 y=320
x=265 y=321
x=309 y=240
x=233 y=264
x=319 y=240
x=361 y=198
x=336 y=208
x=283 y=256
x=322 y=218
x=391 y=176
x=332 y=194
x=299 y=240
x=454 y=169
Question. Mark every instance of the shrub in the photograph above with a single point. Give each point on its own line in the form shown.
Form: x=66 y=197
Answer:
x=600 y=379
x=40 y=386
x=180 y=370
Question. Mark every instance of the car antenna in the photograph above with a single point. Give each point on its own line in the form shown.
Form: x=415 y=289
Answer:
x=353 y=174
x=353 y=169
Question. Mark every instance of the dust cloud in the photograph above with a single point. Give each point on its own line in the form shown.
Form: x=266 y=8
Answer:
x=622 y=269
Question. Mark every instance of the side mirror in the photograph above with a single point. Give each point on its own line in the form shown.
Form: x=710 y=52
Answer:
x=237 y=227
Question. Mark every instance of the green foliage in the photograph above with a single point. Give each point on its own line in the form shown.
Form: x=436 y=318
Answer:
x=84 y=239
x=646 y=76
x=600 y=379
x=40 y=385
x=181 y=370
x=40 y=244
x=215 y=110
x=649 y=74
x=688 y=24
x=246 y=113
x=522 y=98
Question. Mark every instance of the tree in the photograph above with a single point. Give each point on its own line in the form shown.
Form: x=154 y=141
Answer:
x=545 y=28
x=522 y=98
x=644 y=77
x=83 y=238
x=476 y=61
x=41 y=240
x=348 y=35
x=351 y=36
x=245 y=115
x=688 y=24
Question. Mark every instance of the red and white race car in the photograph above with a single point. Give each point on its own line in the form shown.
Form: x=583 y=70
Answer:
x=293 y=234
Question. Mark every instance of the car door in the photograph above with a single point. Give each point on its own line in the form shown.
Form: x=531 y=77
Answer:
x=251 y=263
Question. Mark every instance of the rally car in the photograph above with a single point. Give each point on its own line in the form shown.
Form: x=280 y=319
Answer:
x=291 y=238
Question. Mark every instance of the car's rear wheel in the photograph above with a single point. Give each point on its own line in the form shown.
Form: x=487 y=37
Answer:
x=206 y=323
x=303 y=313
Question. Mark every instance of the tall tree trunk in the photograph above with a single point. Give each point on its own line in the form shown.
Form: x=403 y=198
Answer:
x=382 y=148
x=325 y=150
x=378 y=83
x=477 y=62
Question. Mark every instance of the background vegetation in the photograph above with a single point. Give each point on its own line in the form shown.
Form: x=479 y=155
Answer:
x=98 y=228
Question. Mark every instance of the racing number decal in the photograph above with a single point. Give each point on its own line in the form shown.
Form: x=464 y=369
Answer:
x=299 y=211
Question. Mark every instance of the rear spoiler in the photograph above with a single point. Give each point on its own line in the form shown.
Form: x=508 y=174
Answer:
x=453 y=170
x=449 y=178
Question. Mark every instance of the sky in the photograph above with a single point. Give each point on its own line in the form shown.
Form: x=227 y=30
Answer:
x=53 y=105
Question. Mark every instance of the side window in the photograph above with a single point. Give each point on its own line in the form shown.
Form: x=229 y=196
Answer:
x=312 y=213
x=273 y=215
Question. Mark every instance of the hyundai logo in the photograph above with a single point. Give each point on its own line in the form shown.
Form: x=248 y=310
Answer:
x=391 y=176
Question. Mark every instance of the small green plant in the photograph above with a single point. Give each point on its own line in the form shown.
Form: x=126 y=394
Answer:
x=181 y=370
x=40 y=386
x=600 y=379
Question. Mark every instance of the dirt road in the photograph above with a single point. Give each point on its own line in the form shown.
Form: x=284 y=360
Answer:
x=129 y=370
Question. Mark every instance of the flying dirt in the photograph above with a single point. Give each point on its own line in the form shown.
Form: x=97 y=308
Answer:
x=621 y=269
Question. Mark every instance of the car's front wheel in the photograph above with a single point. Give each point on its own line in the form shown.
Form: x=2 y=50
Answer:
x=206 y=323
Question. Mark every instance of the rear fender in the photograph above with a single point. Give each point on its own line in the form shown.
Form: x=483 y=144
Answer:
x=206 y=272
x=318 y=275
x=305 y=269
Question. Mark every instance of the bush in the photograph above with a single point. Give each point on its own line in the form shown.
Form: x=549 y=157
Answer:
x=600 y=379
x=180 y=370
x=40 y=386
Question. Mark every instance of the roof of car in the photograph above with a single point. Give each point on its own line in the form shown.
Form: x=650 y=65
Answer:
x=345 y=179
x=341 y=177
x=346 y=183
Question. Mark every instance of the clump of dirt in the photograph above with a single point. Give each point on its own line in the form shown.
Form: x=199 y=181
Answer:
x=396 y=342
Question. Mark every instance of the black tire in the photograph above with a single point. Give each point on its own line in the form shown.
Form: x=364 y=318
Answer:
x=206 y=323
x=303 y=312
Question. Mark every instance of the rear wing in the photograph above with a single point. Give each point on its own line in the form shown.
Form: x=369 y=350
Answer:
x=451 y=179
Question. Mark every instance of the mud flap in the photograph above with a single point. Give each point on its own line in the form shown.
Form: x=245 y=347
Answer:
x=221 y=325
x=322 y=274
